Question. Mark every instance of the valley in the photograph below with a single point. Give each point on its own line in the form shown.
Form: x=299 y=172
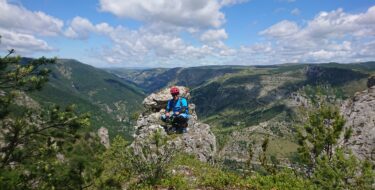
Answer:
x=111 y=101
x=245 y=128
x=245 y=104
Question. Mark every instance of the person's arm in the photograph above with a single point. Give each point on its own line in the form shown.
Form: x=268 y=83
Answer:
x=167 y=110
x=184 y=106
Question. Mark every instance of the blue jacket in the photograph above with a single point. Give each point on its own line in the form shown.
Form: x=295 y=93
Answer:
x=180 y=105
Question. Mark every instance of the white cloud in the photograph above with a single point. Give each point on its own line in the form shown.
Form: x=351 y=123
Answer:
x=330 y=36
x=185 y=13
x=161 y=40
x=163 y=49
x=22 y=43
x=21 y=29
x=18 y=19
x=281 y=29
x=257 y=48
x=295 y=12
x=151 y=44
x=214 y=35
x=323 y=54
x=80 y=28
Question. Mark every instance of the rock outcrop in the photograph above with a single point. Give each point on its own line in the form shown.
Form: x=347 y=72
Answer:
x=359 y=113
x=371 y=82
x=199 y=140
x=104 y=137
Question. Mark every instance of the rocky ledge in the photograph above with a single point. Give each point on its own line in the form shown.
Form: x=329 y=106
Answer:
x=199 y=140
x=359 y=113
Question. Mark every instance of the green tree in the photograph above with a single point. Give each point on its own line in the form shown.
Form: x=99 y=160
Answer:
x=36 y=143
x=327 y=165
x=319 y=135
x=343 y=172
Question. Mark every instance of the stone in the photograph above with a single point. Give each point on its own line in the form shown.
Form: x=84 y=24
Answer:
x=198 y=141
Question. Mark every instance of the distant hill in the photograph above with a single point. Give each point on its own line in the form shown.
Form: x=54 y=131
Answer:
x=151 y=80
x=110 y=100
x=246 y=103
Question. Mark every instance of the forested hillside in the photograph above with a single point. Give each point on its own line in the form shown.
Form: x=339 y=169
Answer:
x=110 y=100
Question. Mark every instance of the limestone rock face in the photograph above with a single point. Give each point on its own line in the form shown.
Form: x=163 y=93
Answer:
x=103 y=135
x=359 y=113
x=371 y=82
x=199 y=140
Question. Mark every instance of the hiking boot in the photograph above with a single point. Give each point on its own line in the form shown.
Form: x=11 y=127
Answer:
x=172 y=130
x=184 y=130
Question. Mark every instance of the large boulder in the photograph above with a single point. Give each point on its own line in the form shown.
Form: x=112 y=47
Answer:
x=371 y=82
x=359 y=113
x=199 y=140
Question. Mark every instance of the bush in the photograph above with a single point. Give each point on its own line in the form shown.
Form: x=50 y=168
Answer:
x=123 y=166
x=285 y=179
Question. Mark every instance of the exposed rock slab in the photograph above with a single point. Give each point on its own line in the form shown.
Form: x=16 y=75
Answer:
x=359 y=113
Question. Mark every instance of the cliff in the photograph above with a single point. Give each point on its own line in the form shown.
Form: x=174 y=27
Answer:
x=359 y=113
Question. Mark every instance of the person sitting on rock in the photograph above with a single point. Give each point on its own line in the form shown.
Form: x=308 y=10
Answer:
x=180 y=109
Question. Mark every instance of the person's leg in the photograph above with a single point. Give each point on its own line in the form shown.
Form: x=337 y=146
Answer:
x=183 y=122
x=167 y=128
x=163 y=117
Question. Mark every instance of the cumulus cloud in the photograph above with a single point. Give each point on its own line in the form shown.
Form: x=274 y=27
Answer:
x=21 y=29
x=150 y=45
x=22 y=43
x=19 y=19
x=161 y=40
x=163 y=49
x=337 y=24
x=186 y=13
x=327 y=25
x=330 y=36
x=214 y=35
x=81 y=28
x=281 y=29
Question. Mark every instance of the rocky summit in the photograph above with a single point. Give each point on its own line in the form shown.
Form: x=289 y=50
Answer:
x=198 y=141
x=359 y=113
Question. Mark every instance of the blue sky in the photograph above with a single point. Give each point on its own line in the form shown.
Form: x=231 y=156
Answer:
x=170 y=33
